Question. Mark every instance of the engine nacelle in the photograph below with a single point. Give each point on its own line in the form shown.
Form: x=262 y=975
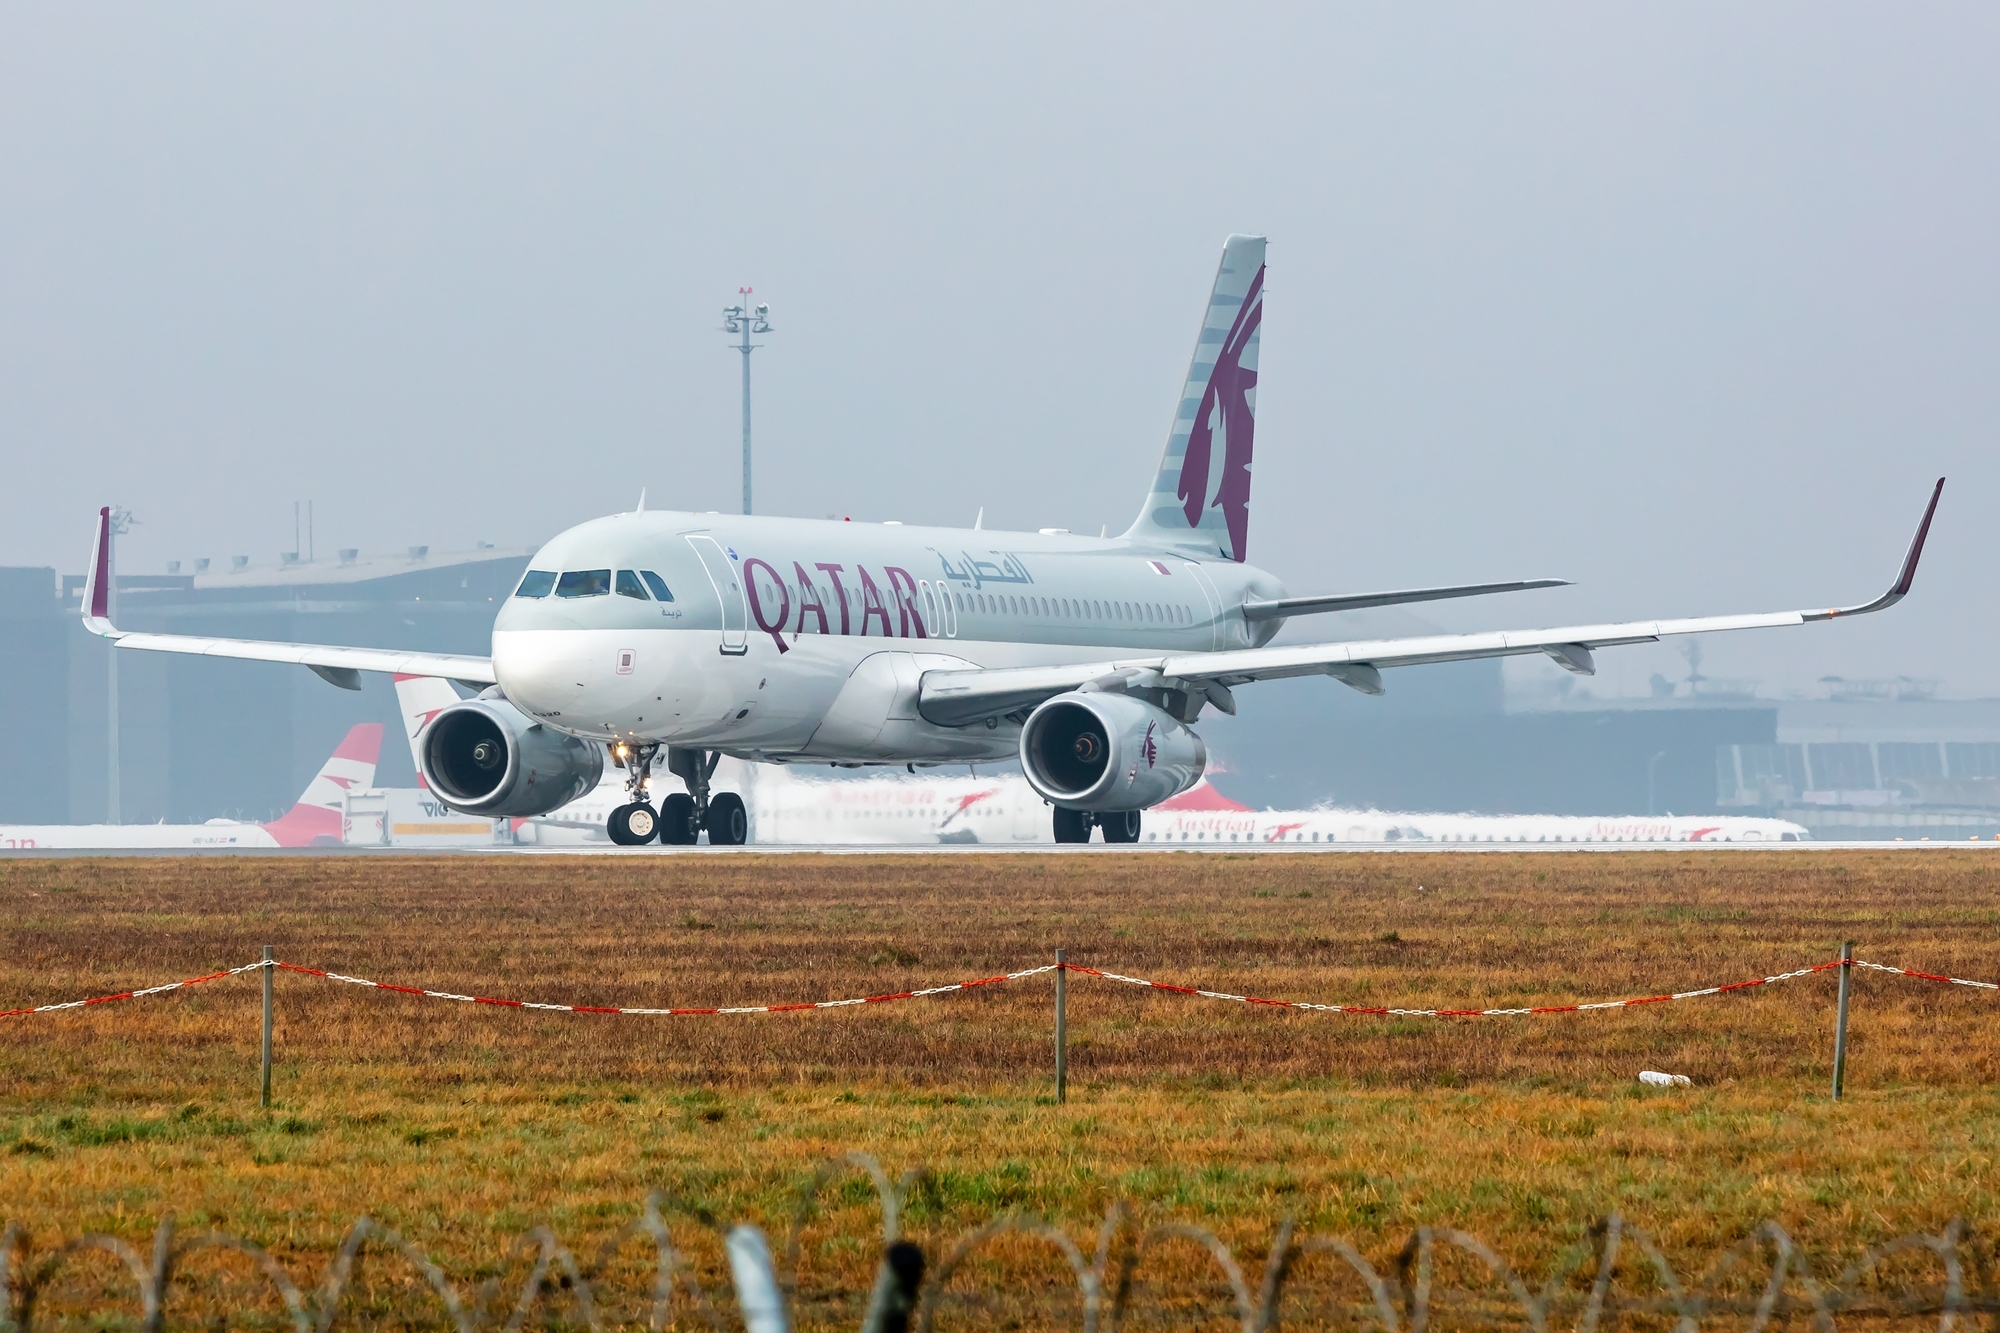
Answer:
x=1098 y=751
x=487 y=757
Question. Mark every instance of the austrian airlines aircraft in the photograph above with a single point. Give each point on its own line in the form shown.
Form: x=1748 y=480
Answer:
x=315 y=821
x=1204 y=816
x=685 y=637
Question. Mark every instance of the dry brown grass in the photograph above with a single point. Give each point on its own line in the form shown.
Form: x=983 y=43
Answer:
x=461 y=1125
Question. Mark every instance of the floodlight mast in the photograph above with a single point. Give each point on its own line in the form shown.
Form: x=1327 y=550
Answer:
x=743 y=319
x=121 y=523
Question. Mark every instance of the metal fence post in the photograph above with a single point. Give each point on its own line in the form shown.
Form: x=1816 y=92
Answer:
x=1840 y=1019
x=1062 y=1028
x=268 y=970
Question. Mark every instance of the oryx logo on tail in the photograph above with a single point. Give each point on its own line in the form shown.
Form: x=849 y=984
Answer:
x=1200 y=501
x=1225 y=409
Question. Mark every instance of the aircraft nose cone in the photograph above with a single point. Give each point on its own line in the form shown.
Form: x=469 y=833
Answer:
x=546 y=672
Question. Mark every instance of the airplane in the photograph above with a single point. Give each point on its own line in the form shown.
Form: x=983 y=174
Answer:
x=1203 y=816
x=682 y=637
x=314 y=821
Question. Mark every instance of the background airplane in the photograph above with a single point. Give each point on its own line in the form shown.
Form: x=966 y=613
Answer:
x=1203 y=816
x=315 y=820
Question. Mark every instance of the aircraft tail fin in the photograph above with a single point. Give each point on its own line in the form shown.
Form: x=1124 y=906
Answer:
x=421 y=699
x=315 y=819
x=1200 y=501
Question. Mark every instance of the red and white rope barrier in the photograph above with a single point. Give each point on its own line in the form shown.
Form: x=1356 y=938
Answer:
x=1926 y=976
x=674 y=1013
x=131 y=994
x=933 y=991
x=1452 y=1013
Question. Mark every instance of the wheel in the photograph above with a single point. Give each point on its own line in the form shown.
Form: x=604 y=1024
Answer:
x=1072 y=825
x=728 y=821
x=677 y=820
x=1120 y=826
x=632 y=825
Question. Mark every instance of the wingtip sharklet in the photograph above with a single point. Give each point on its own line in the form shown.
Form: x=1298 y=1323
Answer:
x=1906 y=577
x=97 y=583
x=1909 y=574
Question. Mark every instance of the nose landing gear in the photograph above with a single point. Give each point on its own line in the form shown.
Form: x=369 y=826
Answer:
x=634 y=824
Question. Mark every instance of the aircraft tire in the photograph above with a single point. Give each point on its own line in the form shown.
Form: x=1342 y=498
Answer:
x=632 y=825
x=1120 y=825
x=728 y=821
x=677 y=820
x=1072 y=825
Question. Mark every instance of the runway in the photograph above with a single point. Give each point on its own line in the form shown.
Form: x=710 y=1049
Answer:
x=1035 y=849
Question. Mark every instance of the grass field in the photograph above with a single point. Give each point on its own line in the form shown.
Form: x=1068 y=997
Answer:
x=462 y=1125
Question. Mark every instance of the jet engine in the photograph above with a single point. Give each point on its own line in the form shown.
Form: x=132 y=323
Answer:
x=1101 y=751
x=487 y=757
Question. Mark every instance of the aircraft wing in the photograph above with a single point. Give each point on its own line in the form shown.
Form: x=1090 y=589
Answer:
x=1305 y=606
x=338 y=666
x=956 y=698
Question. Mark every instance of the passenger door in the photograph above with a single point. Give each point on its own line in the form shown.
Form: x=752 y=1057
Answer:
x=1214 y=603
x=728 y=584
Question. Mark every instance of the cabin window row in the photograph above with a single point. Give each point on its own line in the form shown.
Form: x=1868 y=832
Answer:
x=1065 y=608
x=641 y=585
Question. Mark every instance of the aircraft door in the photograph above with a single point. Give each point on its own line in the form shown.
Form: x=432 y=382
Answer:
x=728 y=584
x=937 y=612
x=1214 y=603
x=927 y=604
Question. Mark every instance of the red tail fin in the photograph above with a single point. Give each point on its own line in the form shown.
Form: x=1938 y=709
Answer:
x=315 y=819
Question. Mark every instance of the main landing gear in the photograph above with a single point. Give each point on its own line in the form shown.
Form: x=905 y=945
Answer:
x=1075 y=825
x=683 y=815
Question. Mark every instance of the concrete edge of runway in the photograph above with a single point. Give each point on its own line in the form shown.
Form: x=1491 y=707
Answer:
x=1022 y=849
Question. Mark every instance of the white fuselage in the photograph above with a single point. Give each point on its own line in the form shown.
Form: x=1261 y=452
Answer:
x=132 y=837
x=792 y=639
x=1207 y=827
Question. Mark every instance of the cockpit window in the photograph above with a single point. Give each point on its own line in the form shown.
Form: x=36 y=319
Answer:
x=537 y=584
x=628 y=585
x=584 y=583
x=658 y=585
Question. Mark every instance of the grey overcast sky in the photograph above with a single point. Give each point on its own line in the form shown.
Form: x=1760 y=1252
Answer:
x=1687 y=302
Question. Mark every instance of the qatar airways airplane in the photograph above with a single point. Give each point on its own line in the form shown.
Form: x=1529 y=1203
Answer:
x=681 y=637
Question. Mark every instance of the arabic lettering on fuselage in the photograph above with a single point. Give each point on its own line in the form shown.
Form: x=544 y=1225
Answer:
x=976 y=573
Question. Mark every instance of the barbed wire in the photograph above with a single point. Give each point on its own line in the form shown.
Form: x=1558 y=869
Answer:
x=1402 y=1295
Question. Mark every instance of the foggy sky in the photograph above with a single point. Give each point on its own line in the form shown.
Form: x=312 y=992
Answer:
x=1689 y=303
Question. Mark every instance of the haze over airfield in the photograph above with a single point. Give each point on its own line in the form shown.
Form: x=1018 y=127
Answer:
x=1688 y=305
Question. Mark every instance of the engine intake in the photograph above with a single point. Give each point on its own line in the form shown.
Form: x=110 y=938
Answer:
x=487 y=757
x=1098 y=751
